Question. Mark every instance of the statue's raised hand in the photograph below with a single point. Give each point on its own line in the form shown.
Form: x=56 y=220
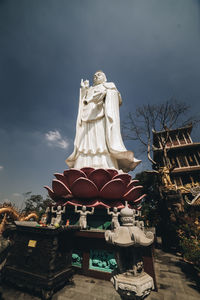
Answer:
x=84 y=84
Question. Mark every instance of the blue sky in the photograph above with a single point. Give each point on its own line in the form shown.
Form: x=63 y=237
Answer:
x=149 y=48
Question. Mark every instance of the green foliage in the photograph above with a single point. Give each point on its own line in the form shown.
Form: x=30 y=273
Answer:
x=189 y=235
x=35 y=203
x=150 y=205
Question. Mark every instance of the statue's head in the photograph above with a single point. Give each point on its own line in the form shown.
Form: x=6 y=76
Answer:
x=59 y=207
x=83 y=208
x=115 y=209
x=99 y=77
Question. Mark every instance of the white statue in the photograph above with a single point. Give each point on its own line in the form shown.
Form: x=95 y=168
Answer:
x=83 y=216
x=114 y=214
x=98 y=142
x=58 y=219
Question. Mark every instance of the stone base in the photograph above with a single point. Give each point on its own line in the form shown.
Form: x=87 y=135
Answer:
x=133 y=287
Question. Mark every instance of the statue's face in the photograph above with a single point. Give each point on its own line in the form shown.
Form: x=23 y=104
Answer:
x=115 y=209
x=59 y=207
x=99 y=77
x=84 y=208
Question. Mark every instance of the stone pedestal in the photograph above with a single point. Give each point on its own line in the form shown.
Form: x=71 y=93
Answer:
x=130 y=287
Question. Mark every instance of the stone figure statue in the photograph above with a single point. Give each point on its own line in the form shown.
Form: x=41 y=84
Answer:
x=58 y=219
x=98 y=142
x=83 y=216
x=114 y=214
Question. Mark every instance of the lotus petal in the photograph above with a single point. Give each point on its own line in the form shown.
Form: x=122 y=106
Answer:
x=59 y=188
x=79 y=202
x=114 y=189
x=126 y=178
x=84 y=188
x=137 y=201
x=87 y=170
x=50 y=192
x=133 y=194
x=100 y=177
x=132 y=184
x=63 y=179
x=110 y=204
x=112 y=172
x=73 y=174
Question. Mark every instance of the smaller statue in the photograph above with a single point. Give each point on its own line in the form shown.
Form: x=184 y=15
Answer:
x=83 y=216
x=165 y=173
x=114 y=214
x=57 y=221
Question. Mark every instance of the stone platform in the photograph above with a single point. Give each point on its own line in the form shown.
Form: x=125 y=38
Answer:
x=176 y=280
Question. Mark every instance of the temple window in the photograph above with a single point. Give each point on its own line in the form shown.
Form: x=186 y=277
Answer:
x=191 y=159
x=169 y=141
x=174 y=162
x=181 y=138
x=174 y=139
x=182 y=160
x=187 y=137
x=197 y=157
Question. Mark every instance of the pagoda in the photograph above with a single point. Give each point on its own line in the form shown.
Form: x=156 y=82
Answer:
x=183 y=155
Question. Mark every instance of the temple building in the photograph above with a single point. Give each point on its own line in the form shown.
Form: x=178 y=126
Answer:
x=184 y=158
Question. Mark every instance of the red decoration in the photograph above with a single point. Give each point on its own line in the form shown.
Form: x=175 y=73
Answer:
x=95 y=188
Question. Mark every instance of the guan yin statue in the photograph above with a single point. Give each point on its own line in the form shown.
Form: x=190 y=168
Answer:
x=98 y=142
x=98 y=181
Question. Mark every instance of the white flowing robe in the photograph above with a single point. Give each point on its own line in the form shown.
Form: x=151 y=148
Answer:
x=98 y=142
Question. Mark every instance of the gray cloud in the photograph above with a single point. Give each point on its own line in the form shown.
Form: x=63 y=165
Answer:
x=54 y=138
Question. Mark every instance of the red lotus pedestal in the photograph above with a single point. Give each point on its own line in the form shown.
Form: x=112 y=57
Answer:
x=99 y=188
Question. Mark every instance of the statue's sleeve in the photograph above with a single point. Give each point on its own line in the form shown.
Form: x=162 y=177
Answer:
x=70 y=160
x=78 y=122
x=113 y=132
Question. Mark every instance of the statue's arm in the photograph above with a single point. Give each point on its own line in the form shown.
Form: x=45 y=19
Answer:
x=98 y=96
x=91 y=212
x=108 y=211
x=53 y=210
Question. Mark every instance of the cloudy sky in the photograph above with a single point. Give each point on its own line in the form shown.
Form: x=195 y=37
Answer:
x=149 y=48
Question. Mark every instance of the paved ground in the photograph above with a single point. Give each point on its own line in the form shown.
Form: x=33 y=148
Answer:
x=176 y=281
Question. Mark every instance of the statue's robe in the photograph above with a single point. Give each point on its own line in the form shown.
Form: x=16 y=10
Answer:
x=98 y=142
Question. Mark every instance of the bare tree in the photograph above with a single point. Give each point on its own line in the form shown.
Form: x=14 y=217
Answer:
x=149 y=119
